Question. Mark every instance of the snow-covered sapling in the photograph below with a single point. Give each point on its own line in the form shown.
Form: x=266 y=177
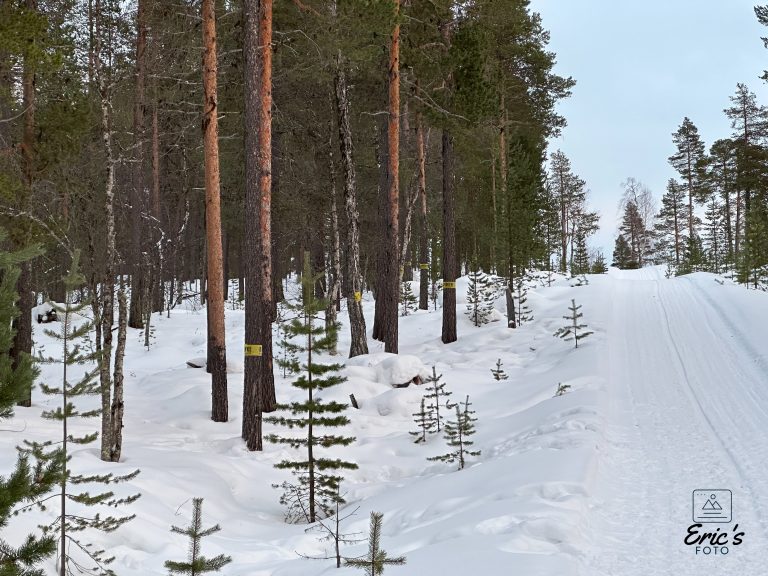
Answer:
x=197 y=563
x=333 y=533
x=75 y=351
x=522 y=309
x=409 y=302
x=374 y=562
x=573 y=330
x=562 y=389
x=317 y=489
x=425 y=423
x=287 y=359
x=481 y=296
x=435 y=393
x=457 y=434
x=498 y=372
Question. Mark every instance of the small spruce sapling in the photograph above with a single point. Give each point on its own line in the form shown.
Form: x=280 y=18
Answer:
x=573 y=331
x=425 y=422
x=435 y=393
x=373 y=564
x=288 y=359
x=522 y=310
x=481 y=295
x=27 y=484
x=407 y=299
x=498 y=372
x=332 y=529
x=72 y=336
x=457 y=435
x=318 y=488
x=562 y=389
x=196 y=563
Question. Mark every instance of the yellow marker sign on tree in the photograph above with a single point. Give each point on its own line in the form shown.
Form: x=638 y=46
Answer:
x=253 y=349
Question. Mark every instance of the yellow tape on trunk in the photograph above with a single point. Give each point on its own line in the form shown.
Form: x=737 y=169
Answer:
x=358 y=297
x=253 y=349
x=447 y=285
x=424 y=266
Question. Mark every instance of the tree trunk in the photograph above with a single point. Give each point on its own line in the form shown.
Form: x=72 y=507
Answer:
x=259 y=395
x=217 y=356
x=334 y=284
x=449 y=244
x=354 y=281
x=390 y=290
x=22 y=324
x=382 y=164
x=424 y=236
x=138 y=281
x=118 y=408
x=157 y=227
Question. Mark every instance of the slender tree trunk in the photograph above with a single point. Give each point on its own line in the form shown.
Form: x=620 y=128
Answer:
x=737 y=224
x=354 y=281
x=138 y=288
x=334 y=284
x=217 y=356
x=22 y=324
x=118 y=408
x=157 y=225
x=259 y=379
x=449 y=244
x=382 y=164
x=390 y=291
x=424 y=224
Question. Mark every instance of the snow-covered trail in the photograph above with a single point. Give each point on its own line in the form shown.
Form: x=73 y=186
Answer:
x=686 y=408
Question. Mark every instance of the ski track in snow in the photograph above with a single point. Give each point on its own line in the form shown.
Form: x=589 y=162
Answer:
x=669 y=395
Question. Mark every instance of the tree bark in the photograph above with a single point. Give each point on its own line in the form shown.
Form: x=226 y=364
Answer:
x=117 y=408
x=390 y=290
x=259 y=395
x=424 y=236
x=382 y=164
x=138 y=281
x=449 y=243
x=217 y=356
x=354 y=281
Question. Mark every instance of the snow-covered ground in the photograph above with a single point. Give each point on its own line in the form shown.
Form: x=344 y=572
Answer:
x=668 y=396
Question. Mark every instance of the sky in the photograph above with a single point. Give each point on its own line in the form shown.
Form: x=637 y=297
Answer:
x=640 y=68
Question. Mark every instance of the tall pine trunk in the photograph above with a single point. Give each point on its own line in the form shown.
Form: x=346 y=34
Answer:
x=259 y=395
x=390 y=290
x=424 y=224
x=449 y=243
x=138 y=280
x=217 y=356
x=354 y=280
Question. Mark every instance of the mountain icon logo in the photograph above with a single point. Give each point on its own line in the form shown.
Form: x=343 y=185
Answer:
x=712 y=506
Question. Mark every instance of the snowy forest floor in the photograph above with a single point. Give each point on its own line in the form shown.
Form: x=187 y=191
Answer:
x=668 y=396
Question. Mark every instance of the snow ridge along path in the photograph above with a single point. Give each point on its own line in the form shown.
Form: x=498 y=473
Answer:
x=686 y=409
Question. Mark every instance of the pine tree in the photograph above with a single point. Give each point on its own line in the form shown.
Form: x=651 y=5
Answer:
x=634 y=232
x=73 y=337
x=457 y=433
x=522 y=310
x=693 y=257
x=580 y=264
x=408 y=300
x=481 y=296
x=599 y=266
x=498 y=372
x=377 y=559
x=288 y=360
x=573 y=331
x=622 y=254
x=689 y=161
x=425 y=422
x=197 y=564
x=317 y=489
x=435 y=393
x=670 y=225
x=27 y=484
x=562 y=389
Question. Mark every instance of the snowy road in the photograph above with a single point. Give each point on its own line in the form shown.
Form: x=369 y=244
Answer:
x=686 y=408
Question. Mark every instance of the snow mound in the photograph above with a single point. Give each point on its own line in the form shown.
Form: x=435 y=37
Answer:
x=386 y=368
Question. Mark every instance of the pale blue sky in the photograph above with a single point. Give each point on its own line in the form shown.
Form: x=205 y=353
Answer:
x=640 y=67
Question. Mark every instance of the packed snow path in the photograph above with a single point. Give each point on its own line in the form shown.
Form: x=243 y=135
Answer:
x=686 y=408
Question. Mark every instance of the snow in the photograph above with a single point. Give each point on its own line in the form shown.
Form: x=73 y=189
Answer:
x=667 y=396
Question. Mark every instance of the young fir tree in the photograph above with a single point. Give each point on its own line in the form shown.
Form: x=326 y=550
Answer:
x=408 y=300
x=573 y=330
x=599 y=266
x=288 y=359
x=481 y=296
x=317 y=489
x=693 y=257
x=498 y=372
x=580 y=264
x=522 y=310
x=27 y=484
x=562 y=389
x=196 y=563
x=425 y=422
x=670 y=228
x=622 y=254
x=333 y=533
x=436 y=392
x=373 y=564
x=71 y=520
x=457 y=435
